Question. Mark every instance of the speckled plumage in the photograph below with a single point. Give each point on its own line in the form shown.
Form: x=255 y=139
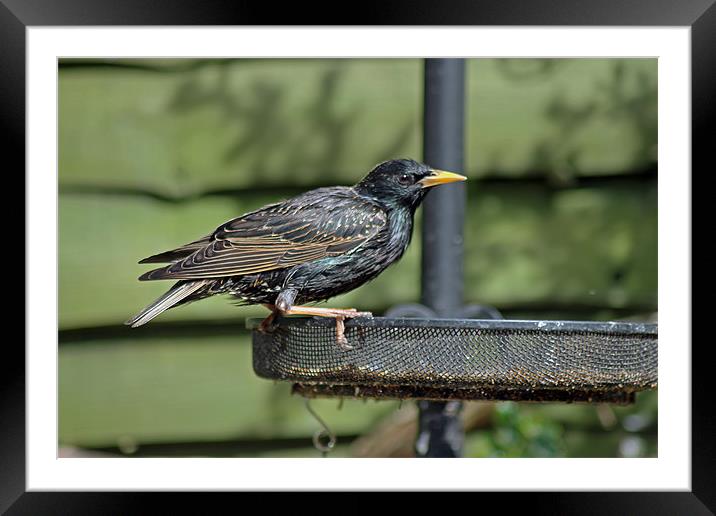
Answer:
x=319 y=244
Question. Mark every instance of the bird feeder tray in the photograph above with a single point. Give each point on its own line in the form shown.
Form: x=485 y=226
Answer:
x=467 y=359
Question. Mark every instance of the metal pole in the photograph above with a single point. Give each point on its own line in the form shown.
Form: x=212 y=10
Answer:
x=440 y=430
x=444 y=207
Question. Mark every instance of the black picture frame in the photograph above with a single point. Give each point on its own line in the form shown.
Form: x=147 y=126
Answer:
x=17 y=15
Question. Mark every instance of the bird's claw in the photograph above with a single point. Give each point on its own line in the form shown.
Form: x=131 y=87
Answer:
x=341 y=339
x=269 y=324
x=343 y=344
x=269 y=328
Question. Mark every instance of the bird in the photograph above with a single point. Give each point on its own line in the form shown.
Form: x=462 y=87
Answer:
x=302 y=250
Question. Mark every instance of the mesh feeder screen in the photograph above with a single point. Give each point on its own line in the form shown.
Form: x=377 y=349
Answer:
x=446 y=359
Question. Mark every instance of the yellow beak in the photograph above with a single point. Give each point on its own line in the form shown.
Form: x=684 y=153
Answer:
x=439 y=177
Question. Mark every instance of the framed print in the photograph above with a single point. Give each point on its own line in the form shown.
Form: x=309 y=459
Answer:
x=168 y=133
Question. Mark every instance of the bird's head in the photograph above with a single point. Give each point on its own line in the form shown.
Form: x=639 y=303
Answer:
x=403 y=182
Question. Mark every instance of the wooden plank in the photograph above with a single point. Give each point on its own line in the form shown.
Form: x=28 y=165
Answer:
x=593 y=246
x=561 y=118
x=236 y=125
x=259 y=123
x=185 y=388
x=525 y=244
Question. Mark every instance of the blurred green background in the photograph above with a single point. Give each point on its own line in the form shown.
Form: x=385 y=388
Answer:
x=562 y=223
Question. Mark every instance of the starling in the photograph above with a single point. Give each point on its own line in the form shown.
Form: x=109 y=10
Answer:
x=309 y=248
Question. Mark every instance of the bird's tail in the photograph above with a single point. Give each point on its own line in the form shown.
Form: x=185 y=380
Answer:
x=178 y=292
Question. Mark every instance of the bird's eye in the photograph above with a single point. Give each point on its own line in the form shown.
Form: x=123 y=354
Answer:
x=405 y=179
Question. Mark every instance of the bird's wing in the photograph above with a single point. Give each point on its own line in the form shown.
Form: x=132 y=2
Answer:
x=180 y=252
x=280 y=236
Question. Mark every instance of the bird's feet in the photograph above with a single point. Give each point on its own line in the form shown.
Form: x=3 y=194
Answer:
x=269 y=324
x=339 y=314
x=341 y=339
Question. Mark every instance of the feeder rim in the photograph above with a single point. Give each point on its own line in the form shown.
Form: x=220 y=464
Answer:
x=546 y=326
